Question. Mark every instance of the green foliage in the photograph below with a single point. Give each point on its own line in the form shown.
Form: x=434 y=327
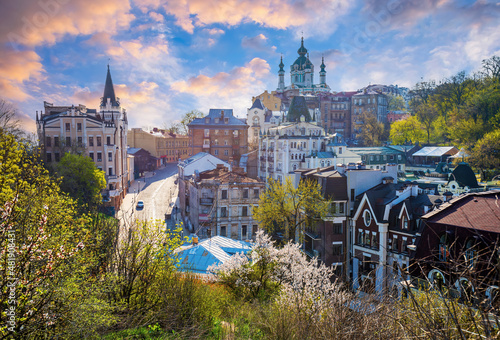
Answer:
x=81 y=179
x=395 y=103
x=187 y=118
x=403 y=131
x=373 y=132
x=283 y=207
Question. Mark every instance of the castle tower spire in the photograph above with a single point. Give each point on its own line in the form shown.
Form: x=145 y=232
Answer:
x=281 y=74
x=109 y=91
x=322 y=72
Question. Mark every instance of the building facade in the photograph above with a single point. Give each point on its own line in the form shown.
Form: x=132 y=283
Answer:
x=284 y=149
x=220 y=203
x=166 y=146
x=221 y=134
x=336 y=113
x=101 y=135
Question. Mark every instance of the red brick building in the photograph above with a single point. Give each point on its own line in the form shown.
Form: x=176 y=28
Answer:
x=220 y=134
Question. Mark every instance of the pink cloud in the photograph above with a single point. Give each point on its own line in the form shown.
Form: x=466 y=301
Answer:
x=237 y=81
x=16 y=68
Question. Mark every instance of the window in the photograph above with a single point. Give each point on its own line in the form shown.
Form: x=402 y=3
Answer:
x=99 y=141
x=91 y=155
x=337 y=228
x=404 y=245
x=360 y=236
x=243 y=231
x=207 y=133
x=405 y=223
x=110 y=156
x=49 y=157
x=47 y=141
x=68 y=141
x=223 y=212
x=57 y=156
x=341 y=208
x=224 y=194
x=226 y=142
x=352 y=195
x=389 y=243
x=226 y=120
x=223 y=230
x=256 y=193
x=110 y=171
x=216 y=152
x=374 y=240
x=108 y=140
x=470 y=253
x=99 y=157
x=226 y=152
x=68 y=127
x=80 y=140
x=226 y=133
x=337 y=249
x=255 y=228
x=245 y=193
x=56 y=141
x=367 y=217
x=216 y=142
x=444 y=251
x=78 y=126
x=244 y=211
x=91 y=141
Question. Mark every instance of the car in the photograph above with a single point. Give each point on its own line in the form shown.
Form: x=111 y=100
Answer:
x=140 y=205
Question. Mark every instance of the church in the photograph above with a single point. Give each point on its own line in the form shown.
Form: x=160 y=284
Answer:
x=301 y=81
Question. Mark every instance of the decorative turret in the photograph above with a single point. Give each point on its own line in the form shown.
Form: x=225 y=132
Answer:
x=281 y=73
x=322 y=72
x=109 y=92
x=302 y=50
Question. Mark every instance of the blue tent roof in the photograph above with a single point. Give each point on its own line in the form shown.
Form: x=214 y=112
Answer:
x=209 y=252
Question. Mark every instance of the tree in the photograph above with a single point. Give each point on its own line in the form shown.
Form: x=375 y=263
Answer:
x=395 y=103
x=188 y=118
x=491 y=67
x=41 y=240
x=283 y=207
x=421 y=93
x=81 y=179
x=426 y=114
x=485 y=155
x=8 y=121
x=406 y=130
x=372 y=131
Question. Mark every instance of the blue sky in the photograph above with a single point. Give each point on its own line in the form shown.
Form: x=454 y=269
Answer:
x=168 y=57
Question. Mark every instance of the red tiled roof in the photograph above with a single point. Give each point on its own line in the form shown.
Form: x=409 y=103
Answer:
x=475 y=210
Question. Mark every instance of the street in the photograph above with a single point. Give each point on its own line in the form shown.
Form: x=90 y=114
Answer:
x=156 y=190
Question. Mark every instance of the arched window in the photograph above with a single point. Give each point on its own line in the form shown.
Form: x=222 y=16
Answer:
x=436 y=278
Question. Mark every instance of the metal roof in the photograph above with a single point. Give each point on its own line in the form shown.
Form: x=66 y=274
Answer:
x=434 y=151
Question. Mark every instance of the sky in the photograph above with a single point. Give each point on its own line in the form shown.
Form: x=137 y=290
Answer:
x=168 y=57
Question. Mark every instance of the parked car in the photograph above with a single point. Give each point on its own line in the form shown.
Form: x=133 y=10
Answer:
x=140 y=205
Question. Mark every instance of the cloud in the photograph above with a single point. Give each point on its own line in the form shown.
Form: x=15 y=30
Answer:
x=314 y=16
x=213 y=31
x=258 y=43
x=157 y=16
x=226 y=84
x=27 y=23
x=17 y=68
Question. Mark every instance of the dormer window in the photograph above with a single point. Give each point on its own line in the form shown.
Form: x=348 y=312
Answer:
x=226 y=120
x=404 y=223
x=207 y=120
x=216 y=120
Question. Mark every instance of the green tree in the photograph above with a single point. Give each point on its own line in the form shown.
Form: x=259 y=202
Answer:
x=485 y=155
x=409 y=129
x=395 y=103
x=187 y=118
x=372 y=131
x=427 y=115
x=283 y=207
x=81 y=179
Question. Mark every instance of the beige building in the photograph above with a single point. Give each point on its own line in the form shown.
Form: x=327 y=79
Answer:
x=102 y=135
x=169 y=147
x=269 y=100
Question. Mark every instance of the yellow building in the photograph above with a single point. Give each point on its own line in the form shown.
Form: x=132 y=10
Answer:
x=269 y=100
x=169 y=147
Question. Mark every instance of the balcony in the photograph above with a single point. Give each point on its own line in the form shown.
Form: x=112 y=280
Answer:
x=206 y=146
x=206 y=201
x=113 y=179
x=270 y=158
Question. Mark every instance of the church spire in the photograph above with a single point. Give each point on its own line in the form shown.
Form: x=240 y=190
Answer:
x=302 y=50
x=109 y=91
x=281 y=65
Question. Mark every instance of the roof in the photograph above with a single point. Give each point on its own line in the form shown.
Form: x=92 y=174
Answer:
x=109 y=91
x=132 y=151
x=374 y=150
x=479 y=211
x=436 y=151
x=257 y=104
x=224 y=176
x=333 y=183
x=214 y=114
x=209 y=252
x=464 y=176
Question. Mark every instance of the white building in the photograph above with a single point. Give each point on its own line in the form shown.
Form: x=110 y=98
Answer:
x=284 y=149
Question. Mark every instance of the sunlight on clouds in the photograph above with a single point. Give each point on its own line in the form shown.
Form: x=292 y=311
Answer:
x=17 y=68
x=316 y=16
x=226 y=84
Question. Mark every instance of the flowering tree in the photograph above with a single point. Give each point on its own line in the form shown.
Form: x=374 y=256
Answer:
x=284 y=273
